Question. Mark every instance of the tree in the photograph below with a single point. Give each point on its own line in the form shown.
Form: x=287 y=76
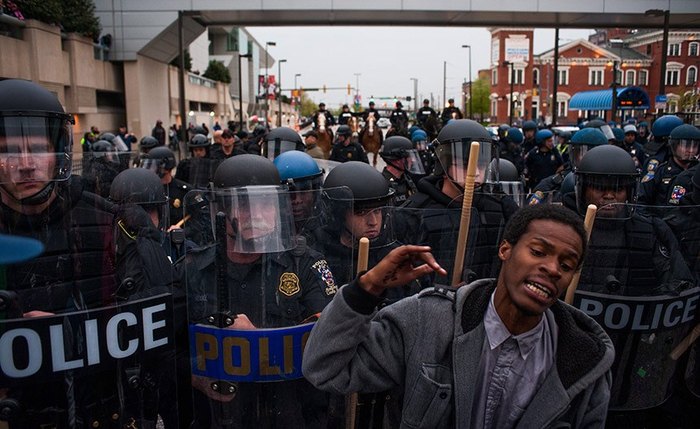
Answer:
x=481 y=100
x=79 y=17
x=688 y=101
x=308 y=106
x=73 y=16
x=217 y=71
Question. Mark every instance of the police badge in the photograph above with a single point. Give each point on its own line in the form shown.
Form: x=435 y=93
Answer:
x=289 y=284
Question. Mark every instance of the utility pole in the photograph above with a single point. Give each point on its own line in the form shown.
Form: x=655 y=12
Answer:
x=512 y=79
x=444 y=83
x=266 y=85
x=555 y=105
x=279 y=92
x=471 y=104
x=415 y=94
x=613 y=85
x=240 y=88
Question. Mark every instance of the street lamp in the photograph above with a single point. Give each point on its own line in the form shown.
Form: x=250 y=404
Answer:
x=298 y=97
x=415 y=95
x=512 y=79
x=279 y=93
x=471 y=109
x=664 y=51
x=240 y=87
x=265 y=85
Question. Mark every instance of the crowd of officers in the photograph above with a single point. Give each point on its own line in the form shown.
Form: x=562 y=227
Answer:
x=248 y=231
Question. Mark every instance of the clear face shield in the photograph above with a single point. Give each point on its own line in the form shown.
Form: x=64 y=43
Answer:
x=612 y=195
x=375 y=223
x=155 y=165
x=305 y=196
x=454 y=159
x=685 y=149
x=421 y=145
x=259 y=218
x=608 y=132
x=273 y=148
x=576 y=154
x=34 y=150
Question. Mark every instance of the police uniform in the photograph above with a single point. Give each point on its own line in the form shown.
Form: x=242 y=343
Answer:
x=681 y=188
x=398 y=118
x=512 y=153
x=656 y=183
x=541 y=164
x=548 y=185
x=344 y=118
x=447 y=114
x=370 y=111
x=637 y=153
x=424 y=113
x=403 y=186
x=330 y=120
x=352 y=152
x=289 y=288
x=176 y=191
x=437 y=225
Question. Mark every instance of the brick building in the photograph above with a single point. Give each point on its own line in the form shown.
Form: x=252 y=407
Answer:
x=588 y=65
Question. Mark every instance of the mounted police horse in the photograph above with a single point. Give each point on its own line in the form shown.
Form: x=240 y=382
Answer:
x=400 y=128
x=371 y=138
x=354 y=124
x=325 y=135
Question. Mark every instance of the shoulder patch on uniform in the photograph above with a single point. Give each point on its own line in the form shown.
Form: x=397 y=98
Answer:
x=651 y=170
x=321 y=267
x=677 y=194
x=536 y=198
x=289 y=284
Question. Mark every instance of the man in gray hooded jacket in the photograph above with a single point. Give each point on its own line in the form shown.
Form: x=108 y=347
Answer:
x=496 y=353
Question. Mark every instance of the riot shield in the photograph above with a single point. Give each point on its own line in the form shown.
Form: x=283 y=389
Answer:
x=636 y=284
x=200 y=171
x=87 y=333
x=99 y=168
x=253 y=291
x=438 y=228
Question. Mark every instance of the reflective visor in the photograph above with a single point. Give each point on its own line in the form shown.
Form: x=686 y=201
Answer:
x=685 y=149
x=413 y=162
x=454 y=158
x=259 y=218
x=273 y=148
x=35 y=149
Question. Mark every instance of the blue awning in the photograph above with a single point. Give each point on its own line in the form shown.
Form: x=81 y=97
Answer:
x=628 y=98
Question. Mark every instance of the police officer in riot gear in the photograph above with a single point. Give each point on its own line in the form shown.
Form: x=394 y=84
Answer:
x=402 y=160
x=419 y=138
x=259 y=277
x=657 y=149
x=345 y=149
x=439 y=199
x=344 y=115
x=511 y=148
x=656 y=189
x=630 y=144
x=548 y=188
x=281 y=140
x=198 y=169
x=77 y=274
x=300 y=173
x=628 y=255
x=425 y=113
x=100 y=166
x=529 y=130
x=542 y=161
x=161 y=161
x=450 y=112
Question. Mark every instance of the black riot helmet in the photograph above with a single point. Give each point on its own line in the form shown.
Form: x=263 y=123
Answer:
x=107 y=137
x=246 y=170
x=147 y=143
x=452 y=148
x=359 y=187
x=32 y=121
x=159 y=160
x=602 y=126
x=609 y=169
x=104 y=151
x=137 y=186
x=401 y=148
x=685 y=142
x=198 y=140
x=344 y=130
x=199 y=130
x=280 y=140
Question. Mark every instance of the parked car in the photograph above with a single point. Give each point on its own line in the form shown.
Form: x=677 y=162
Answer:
x=383 y=123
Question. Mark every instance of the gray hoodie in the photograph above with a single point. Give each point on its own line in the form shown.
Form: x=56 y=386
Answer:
x=430 y=344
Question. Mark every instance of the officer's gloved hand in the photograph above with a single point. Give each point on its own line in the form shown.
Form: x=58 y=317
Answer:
x=133 y=218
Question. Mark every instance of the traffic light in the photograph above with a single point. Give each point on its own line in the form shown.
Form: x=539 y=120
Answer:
x=408 y=98
x=349 y=89
x=324 y=88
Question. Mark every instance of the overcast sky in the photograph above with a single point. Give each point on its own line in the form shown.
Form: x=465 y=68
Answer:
x=386 y=57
